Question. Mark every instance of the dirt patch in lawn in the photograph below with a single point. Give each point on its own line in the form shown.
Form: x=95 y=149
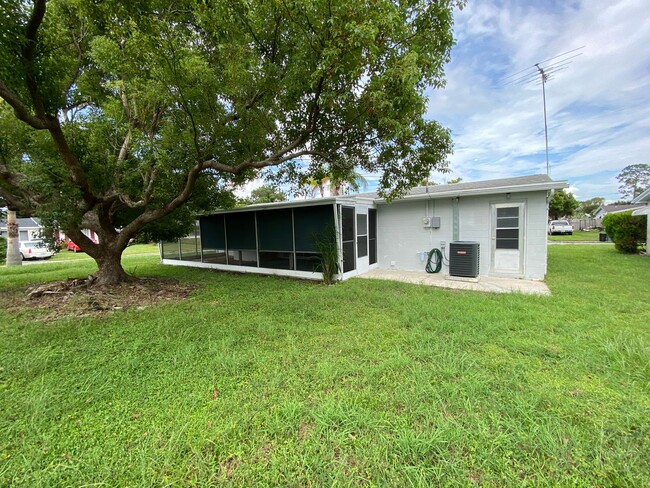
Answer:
x=79 y=298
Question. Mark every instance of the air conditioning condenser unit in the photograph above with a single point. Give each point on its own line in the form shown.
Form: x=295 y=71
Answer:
x=464 y=259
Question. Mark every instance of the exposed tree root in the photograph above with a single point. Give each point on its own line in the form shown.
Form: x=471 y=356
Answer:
x=82 y=297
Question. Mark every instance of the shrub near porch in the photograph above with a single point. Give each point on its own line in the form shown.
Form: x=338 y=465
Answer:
x=281 y=382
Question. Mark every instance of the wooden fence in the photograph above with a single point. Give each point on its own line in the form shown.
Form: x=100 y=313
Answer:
x=586 y=224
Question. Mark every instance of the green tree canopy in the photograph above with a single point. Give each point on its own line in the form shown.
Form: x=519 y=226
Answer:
x=634 y=180
x=115 y=113
x=265 y=194
x=562 y=205
x=589 y=207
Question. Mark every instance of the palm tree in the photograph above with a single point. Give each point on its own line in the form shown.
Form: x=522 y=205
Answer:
x=338 y=182
x=13 y=242
x=354 y=179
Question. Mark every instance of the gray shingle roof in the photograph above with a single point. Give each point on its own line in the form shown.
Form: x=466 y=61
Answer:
x=617 y=208
x=29 y=223
x=469 y=187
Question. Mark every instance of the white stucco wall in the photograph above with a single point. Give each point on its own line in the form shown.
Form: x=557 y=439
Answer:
x=401 y=234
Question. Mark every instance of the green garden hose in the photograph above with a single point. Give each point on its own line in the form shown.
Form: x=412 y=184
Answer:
x=438 y=261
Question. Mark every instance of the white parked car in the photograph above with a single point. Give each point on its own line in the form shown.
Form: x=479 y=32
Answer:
x=560 y=227
x=35 y=249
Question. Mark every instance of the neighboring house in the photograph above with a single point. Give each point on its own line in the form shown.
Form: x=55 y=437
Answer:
x=607 y=209
x=507 y=217
x=29 y=229
x=644 y=199
x=87 y=232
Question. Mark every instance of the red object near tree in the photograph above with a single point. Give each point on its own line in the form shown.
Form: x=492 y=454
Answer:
x=73 y=247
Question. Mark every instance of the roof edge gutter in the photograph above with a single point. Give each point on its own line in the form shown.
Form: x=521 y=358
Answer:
x=555 y=185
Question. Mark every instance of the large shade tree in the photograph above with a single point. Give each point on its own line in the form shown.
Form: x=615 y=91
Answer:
x=117 y=115
x=634 y=180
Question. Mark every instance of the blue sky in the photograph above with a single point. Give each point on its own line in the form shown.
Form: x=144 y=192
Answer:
x=598 y=108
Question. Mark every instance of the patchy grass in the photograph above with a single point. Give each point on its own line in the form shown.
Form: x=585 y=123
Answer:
x=268 y=381
x=578 y=235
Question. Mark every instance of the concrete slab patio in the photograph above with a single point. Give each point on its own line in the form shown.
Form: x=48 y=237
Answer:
x=486 y=284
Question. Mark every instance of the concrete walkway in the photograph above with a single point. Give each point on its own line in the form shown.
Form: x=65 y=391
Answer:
x=488 y=284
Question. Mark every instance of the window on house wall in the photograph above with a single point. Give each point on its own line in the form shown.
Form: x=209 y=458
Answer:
x=507 y=228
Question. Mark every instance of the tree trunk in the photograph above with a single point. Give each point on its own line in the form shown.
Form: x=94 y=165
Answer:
x=13 y=242
x=107 y=253
x=110 y=270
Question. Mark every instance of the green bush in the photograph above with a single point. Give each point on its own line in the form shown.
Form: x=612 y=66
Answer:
x=3 y=250
x=626 y=230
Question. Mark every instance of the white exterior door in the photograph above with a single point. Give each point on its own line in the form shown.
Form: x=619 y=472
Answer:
x=508 y=238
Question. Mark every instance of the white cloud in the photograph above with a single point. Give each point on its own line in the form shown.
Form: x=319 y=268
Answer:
x=244 y=191
x=598 y=108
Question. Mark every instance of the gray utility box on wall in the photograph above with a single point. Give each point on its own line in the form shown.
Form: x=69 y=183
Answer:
x=464 y=259
x=431 y=222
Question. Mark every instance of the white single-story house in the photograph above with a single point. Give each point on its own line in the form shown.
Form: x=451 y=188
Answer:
x=498 y=225
x=644 y=199
x=29 y=229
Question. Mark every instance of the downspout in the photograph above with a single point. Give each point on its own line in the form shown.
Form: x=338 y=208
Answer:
x=549 y=197
x=456 y=218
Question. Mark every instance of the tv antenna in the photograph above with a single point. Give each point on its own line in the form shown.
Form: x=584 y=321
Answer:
x=539 y=74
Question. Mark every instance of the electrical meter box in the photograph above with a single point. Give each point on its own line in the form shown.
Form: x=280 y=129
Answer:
x=431 y=222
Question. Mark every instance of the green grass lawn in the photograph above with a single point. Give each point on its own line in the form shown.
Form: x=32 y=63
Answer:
x=267 y=381
x=578 y=235
x=66 y=255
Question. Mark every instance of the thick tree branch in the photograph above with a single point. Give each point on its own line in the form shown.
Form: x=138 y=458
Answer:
x=285 y=153
x=153 y=214
x=124 y=150
x=125 y=104
x=10 y=190
x=249 y=105
x=148 y=183
x=31 y=32
x=76 y=171
x=20 y=110
x=13 y=202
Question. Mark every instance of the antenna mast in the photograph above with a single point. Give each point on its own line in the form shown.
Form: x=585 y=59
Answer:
x=545 y=70
x=544 y=79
